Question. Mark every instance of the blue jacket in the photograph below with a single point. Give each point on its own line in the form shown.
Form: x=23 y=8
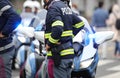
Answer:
x=60 y=22
x=9 y=20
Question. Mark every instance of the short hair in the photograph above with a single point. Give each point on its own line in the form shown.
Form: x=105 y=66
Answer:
x=100 y=4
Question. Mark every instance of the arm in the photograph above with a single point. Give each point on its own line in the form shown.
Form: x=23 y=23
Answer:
x=57 y=27
x=111 y=20
x=13 y=19
x=78 y=24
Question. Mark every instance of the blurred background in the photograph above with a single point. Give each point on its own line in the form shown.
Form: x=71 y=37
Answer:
x=85 y=7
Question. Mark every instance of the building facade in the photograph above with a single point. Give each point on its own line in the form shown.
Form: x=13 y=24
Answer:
x=87 y=7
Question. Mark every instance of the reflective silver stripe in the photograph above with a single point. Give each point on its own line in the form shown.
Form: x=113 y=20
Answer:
x=4 y=9
x=57 y=0
x=6 y=46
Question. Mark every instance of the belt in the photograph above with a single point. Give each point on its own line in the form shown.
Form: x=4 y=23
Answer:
x=6 y=46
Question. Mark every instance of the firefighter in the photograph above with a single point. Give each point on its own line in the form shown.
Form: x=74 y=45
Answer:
x=60 y=23
x=9 y=21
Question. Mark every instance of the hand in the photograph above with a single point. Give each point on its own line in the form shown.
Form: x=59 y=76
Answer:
x=47 y=47
x=1 y=35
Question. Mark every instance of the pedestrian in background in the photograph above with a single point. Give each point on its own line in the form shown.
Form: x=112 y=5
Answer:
x=99 y=18
x=9 y=20
x=114 y=15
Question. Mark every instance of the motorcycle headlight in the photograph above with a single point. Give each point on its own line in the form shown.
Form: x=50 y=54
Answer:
x=86 y=63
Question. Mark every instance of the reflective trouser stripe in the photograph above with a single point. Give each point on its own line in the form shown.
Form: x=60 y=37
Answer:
x=67 y=52
x=63 y=52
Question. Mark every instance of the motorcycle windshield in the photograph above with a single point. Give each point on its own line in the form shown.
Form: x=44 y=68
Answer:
x=88 y=51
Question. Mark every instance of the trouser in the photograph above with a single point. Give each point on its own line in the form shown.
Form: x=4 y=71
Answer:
x=49 y=70
x=117 y=48
x=5 y=63
x=61 y=71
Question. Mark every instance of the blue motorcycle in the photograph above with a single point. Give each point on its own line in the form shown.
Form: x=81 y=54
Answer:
x=86 y=53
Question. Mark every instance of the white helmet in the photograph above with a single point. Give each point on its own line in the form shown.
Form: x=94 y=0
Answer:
x=28 y=3
x=42 y=3
x=36 y=4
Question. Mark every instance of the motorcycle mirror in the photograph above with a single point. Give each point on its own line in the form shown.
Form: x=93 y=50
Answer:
x=27 y=31
x=103 y=36
x=39 y=35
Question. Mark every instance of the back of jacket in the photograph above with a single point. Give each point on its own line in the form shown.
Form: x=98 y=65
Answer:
x=60 y=22
x=9 y=20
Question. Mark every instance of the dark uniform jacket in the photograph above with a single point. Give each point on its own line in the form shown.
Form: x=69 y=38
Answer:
x=60 y=24
x=9 y=20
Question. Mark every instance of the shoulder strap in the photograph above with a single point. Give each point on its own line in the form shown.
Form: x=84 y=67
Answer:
x=31 y=23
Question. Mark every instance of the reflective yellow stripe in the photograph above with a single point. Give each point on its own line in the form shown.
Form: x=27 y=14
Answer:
x=79 y=25
x=63 y=52
x=67 y=52
x=67 y=33
x=53 y=40
x=56 y=23
x=47 y=35
x=49 y=53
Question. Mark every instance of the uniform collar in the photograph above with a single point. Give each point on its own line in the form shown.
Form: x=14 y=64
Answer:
x=53 y=2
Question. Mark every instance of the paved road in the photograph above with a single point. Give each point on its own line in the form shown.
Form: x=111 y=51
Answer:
x=15 y=74
x=108 y=68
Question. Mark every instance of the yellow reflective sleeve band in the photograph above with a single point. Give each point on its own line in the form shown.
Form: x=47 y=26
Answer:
x=67 y=52
x=56 y=23
x=64 y=34
x=78 y=25
x=53 y=40
x=47 y=35
x=67 y=33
